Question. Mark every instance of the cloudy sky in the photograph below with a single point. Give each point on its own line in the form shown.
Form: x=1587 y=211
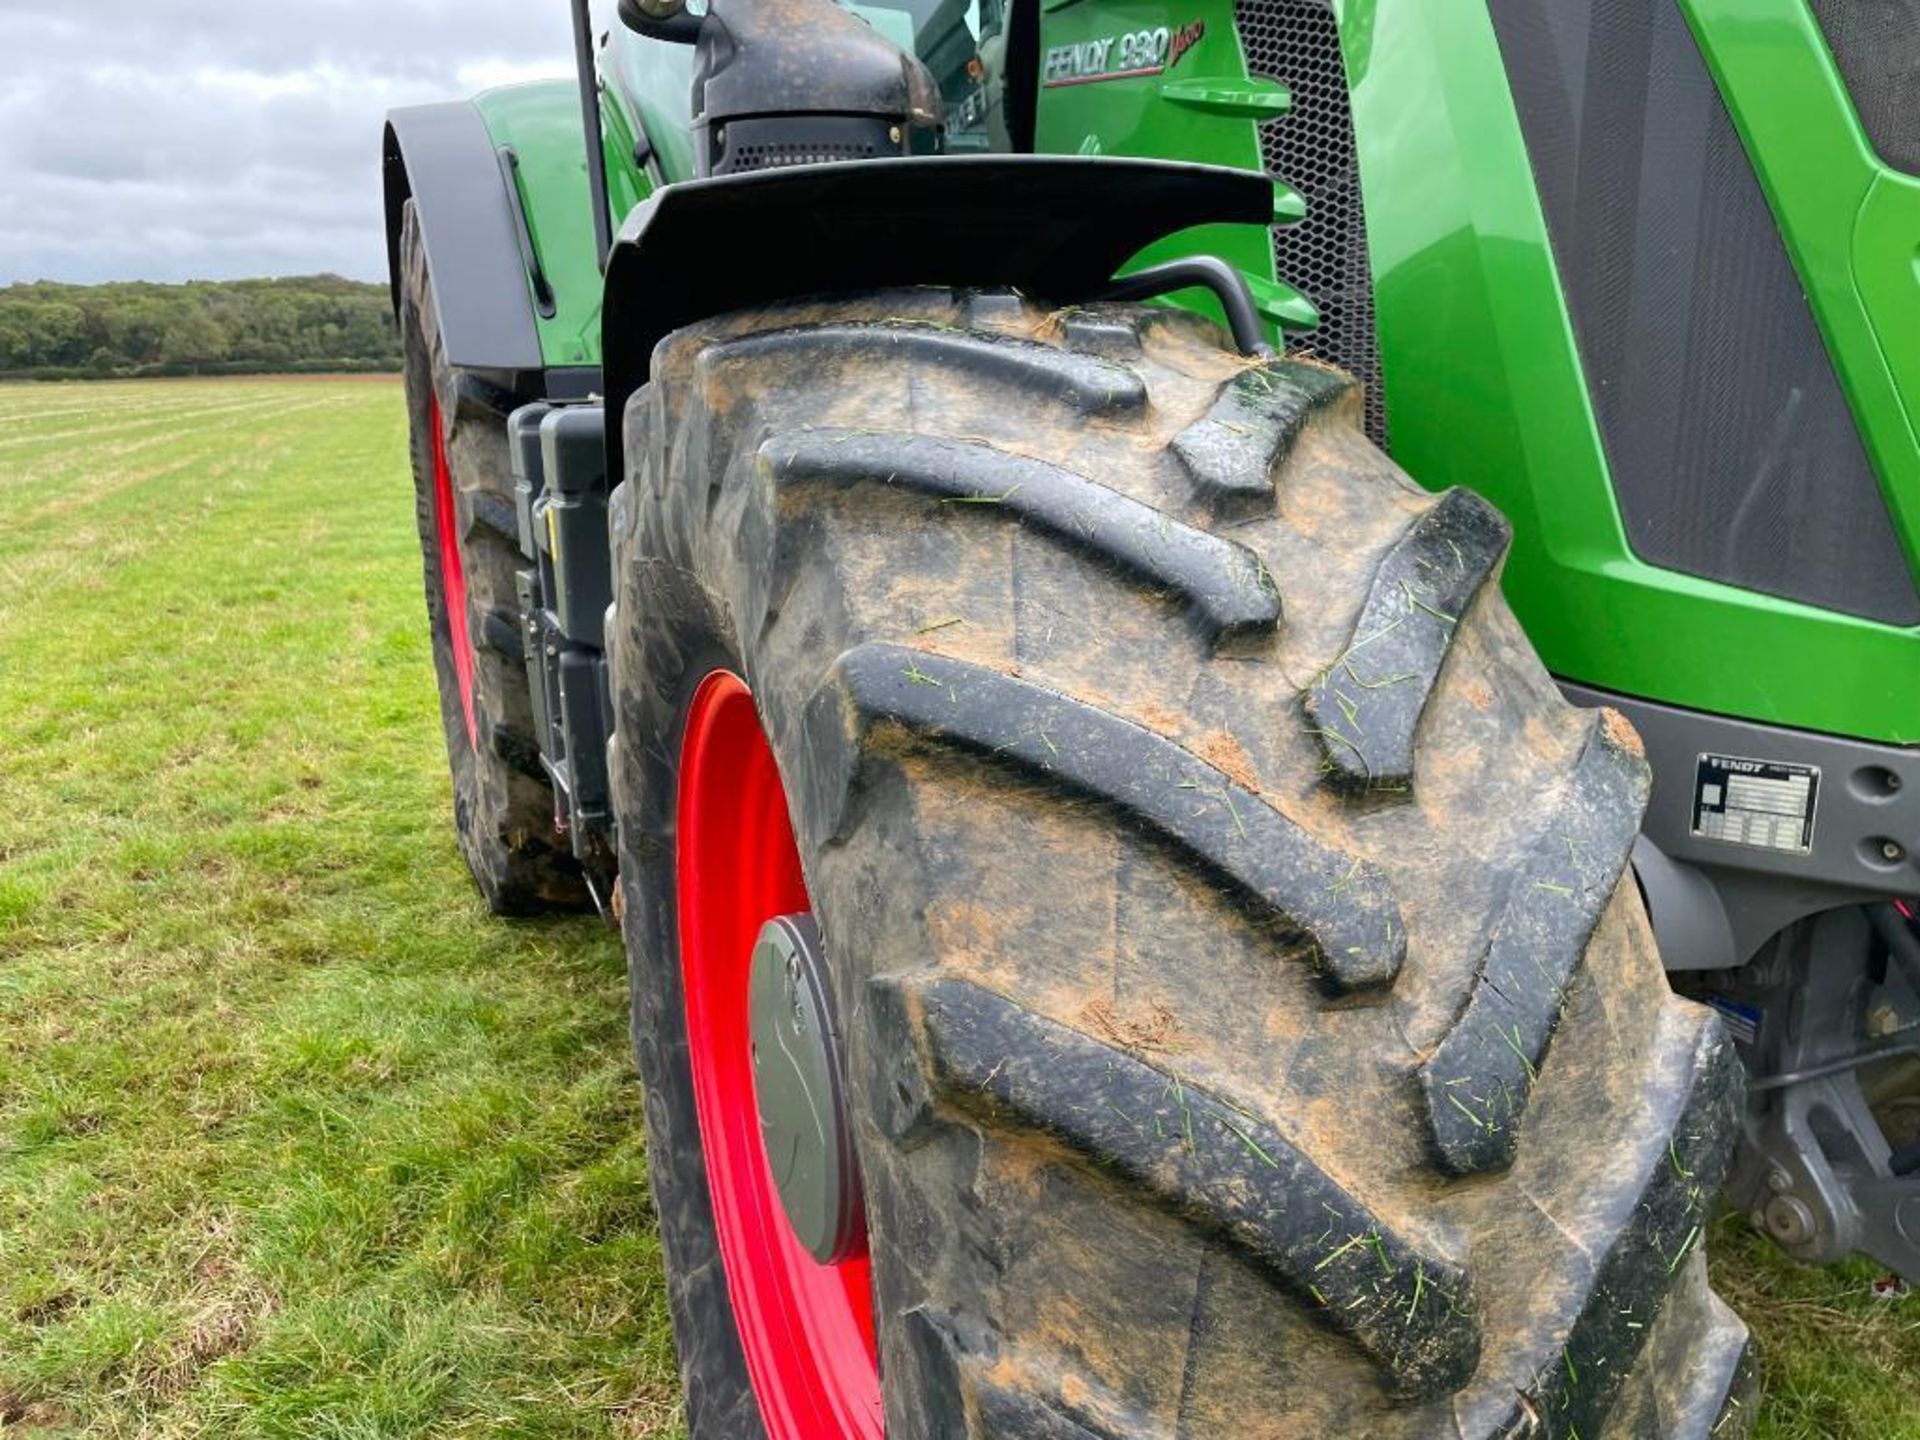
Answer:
x=183 y=139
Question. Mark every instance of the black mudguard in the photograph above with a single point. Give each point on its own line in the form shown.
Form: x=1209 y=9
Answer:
x=442 y=158
x=1055 y=227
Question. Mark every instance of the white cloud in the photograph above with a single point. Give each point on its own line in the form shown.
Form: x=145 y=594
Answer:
x=183 y=139
x=486 y=74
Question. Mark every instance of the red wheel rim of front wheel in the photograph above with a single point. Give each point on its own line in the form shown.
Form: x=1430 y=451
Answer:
x=453 y=574
x=806 y=1328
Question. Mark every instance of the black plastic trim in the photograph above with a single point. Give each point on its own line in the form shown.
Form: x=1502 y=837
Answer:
x=1020 y=98
x=1057 y=227
x=523 y=233
x=503 y=391
x=442 y=158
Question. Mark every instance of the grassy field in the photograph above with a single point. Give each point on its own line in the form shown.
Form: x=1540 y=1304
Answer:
x=294 y=1140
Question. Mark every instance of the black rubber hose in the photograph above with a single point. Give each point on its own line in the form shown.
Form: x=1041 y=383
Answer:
x=1902 y=943
x=1228 y=285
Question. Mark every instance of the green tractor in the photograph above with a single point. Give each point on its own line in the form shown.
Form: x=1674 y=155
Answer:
x=1130 y=935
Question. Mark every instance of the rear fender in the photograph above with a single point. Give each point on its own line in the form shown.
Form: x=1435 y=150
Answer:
x=480 y=255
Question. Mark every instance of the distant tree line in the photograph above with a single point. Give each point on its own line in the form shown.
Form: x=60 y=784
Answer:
x=206 y=327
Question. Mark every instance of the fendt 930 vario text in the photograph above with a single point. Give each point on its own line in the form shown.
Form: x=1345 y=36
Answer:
x=1243 y=675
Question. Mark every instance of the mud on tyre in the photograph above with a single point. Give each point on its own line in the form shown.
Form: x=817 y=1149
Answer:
x=502 y=801
x=1253 y=1029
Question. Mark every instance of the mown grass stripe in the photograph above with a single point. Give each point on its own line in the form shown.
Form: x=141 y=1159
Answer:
x=294 y=1139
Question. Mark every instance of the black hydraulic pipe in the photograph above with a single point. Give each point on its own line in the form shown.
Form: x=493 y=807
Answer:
x=590 y=121
x=1902 y=944
x=1228 y=285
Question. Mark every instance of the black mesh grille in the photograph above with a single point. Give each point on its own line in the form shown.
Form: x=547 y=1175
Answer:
x=771 y=142
x=768 y=157
x=1311 y=148
x=1732 y=449
x=1877 y=44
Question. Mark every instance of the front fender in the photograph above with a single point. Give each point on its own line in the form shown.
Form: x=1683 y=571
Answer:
x=1056 y=227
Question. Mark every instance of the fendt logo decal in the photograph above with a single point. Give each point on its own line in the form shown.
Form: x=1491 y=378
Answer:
x=1121 y=57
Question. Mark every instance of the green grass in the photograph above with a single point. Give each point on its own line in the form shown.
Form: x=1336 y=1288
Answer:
x=294 y=1139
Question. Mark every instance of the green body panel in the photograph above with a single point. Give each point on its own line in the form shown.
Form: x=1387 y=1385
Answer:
x=1485 y=388
x=649 y=86
x=541 y=121
x=1483 y=378
x=1203 y=106
x=628 y=181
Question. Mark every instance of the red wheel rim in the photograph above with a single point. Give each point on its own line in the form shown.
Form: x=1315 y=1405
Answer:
x=453 y=575
x=806 y=1328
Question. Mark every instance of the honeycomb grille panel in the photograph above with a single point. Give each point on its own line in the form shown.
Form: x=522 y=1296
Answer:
x=1311 y=148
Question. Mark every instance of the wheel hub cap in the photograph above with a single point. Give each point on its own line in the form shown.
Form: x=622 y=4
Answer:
x=805 y=1324
x=796 y=1074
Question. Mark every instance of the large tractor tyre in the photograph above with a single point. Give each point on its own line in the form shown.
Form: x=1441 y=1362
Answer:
x=1244 y=1021
x=463 y=506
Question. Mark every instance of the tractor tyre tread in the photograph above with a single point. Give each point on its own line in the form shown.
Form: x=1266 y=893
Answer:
x=1213 y=1076
x=502 y=801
